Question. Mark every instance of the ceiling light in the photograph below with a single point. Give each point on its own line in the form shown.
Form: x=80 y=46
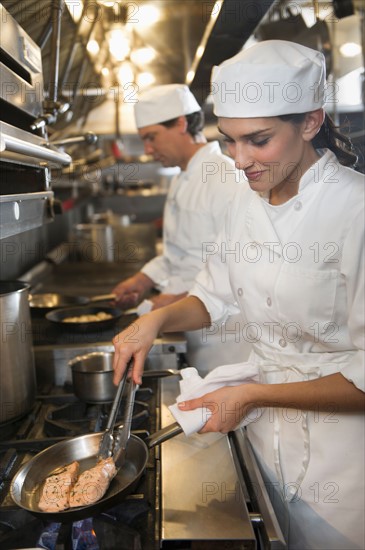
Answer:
x=200 y=51
x=148 y=15
x=190 y=76
x=216 y=9
x=75 y=7
x=105 y=71
x=145 y=79
x=93 y=47
x=118 y=44
x=350 y=49
x=125 y=74
x=349 y=89
x=142 y=56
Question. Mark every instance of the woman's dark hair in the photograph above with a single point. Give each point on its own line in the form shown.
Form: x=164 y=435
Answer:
x=195 y=122
x=329 y=137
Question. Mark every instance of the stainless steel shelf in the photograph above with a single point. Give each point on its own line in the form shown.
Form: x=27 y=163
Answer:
x=20 y=213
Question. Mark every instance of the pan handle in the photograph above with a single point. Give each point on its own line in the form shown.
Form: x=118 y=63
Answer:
x=165 y=434
x=160 y=373
x=102 y=298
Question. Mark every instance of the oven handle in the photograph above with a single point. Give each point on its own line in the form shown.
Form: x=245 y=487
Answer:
x=15 y=145
x=251 y=481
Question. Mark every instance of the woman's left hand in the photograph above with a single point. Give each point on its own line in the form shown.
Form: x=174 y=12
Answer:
x=228 y=405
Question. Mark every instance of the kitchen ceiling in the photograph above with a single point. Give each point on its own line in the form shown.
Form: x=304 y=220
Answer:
x=183 y=40
x=169 y=31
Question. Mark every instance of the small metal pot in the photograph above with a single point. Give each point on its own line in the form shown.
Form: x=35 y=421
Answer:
x=92 y=376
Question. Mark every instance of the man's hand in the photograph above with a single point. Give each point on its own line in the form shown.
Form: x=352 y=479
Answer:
x=130 y=292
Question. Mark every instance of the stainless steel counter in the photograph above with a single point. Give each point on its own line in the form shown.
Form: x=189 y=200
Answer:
x=201 y=495
x=212 y=490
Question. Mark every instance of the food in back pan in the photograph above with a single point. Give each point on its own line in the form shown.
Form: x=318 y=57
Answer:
x=90 y=318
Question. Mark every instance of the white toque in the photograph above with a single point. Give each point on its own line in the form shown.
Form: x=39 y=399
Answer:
x=271 y=78
x=163 y=103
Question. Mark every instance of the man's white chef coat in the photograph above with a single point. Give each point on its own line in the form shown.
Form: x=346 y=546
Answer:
x=194 y=213
x=296 y=272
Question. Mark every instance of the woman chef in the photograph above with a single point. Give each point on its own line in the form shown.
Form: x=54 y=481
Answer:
x=299 y=282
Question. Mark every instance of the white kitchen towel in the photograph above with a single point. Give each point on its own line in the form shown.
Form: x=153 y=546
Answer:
x=192 y=386
x=144 y=307
x=174 y=285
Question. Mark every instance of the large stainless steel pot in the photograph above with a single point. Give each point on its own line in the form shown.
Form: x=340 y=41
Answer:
x=94 y=242
x=17 y=370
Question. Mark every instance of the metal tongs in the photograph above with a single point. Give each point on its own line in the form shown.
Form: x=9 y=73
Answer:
x=124 y=432
x=109 y=444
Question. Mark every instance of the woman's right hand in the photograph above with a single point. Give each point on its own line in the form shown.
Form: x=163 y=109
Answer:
x=134 y=343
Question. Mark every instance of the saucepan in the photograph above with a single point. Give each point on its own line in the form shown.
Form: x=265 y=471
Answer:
x=59 y=316
x=27 y=484
x=52 y=300
x=92 y=376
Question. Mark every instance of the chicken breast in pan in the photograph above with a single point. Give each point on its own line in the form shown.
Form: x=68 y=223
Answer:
x=56 y=490
x=92 y=484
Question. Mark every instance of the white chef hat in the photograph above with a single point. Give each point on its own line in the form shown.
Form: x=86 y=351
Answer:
x=271 y=78
x=163 y=103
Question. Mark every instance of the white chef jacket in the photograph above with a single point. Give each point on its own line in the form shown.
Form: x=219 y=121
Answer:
x=194 y=212
x=296 y=272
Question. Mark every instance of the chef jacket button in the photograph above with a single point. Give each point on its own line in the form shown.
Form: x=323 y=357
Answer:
x=282 y=343
x=268 y=301
x=239 y=291
x=298 y=206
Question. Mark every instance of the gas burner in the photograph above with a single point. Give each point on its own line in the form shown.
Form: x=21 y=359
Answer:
x=118 y=527
x=57 y=415
x=81 y=418
x=21 y=427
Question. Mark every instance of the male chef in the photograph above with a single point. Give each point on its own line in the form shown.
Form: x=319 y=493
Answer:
x=170 y=124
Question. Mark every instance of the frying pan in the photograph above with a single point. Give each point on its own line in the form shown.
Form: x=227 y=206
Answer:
x=57 y=317
x=27 y=483
x=53 y=300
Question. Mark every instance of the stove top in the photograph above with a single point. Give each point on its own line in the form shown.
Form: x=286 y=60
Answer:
x=194 y=493
x=56 y=415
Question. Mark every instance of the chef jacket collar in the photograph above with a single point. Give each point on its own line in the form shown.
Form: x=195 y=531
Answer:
x=312 y=176
x=208 y=149
x=260 y=227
